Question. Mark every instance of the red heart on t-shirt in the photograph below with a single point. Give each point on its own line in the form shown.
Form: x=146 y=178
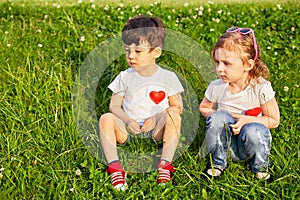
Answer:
x=157 y=97
x=253 y=112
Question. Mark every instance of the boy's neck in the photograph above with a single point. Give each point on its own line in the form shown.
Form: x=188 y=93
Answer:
x=148 y=71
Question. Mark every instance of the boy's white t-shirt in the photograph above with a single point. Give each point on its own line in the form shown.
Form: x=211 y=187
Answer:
x=251 y=97
x=145 y=96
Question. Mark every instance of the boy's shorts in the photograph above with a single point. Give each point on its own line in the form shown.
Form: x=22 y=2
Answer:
x=149 y=135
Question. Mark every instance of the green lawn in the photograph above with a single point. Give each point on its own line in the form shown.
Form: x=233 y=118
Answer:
x=44 y=154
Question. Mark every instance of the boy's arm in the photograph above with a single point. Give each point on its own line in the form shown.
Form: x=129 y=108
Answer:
x=175 y=103
x=115 y=108
x=206 y=107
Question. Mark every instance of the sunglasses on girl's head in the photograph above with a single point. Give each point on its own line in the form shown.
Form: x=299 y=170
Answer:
x=245 y=31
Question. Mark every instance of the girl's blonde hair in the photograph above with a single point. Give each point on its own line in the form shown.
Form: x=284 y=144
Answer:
x=243 y=44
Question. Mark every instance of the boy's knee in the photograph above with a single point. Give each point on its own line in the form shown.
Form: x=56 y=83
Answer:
x=173 y=118
x=107 y=117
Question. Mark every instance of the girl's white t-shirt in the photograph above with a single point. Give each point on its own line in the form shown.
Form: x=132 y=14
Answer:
x=251 y=97
x=145 y=96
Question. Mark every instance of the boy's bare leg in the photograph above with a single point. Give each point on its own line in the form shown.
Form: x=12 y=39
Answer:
x=168 y=130
x=112 y=130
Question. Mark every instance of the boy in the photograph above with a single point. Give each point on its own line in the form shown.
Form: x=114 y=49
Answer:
x=146 y=99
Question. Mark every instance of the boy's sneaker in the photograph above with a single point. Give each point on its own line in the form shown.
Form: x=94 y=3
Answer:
x=118 y=175
x=165 y=171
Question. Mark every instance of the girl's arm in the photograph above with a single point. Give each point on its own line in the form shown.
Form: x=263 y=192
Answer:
x=270 y=117
x=206 y=107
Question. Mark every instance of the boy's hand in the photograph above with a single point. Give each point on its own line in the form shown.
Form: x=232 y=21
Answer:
x=149 y=124
x=133 y=126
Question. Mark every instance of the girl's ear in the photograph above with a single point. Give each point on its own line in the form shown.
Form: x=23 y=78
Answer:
x=156 y=52
x=250 y=65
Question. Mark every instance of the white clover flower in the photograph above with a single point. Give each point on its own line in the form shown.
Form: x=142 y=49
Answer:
x=279 y=7
x=149 y=13
x=106 y=7
x=39 y=31
x=71 y=189
x=82 y=39
x=201 y=25
x=133 y=9
x=6 y=32
x=293 y=29
x=9 y=8
x=13 y=158
x=137 y=7
x=294 y=47
x=269 y=47
x=8 y=45
x=121 y=5
x=286 y=88
x=228 y=13
x=12 y=16
x=2 y=169
x=34 y=162
x=122 y=12
x=78 y=172
x=201 y=8
x=219 y=11
x=40 y=45
x=169 y=16
x=194 y=16
x=296 y=85
x=209 y=10
x=200 y=13
x=211 y=30
x=1 y=175
x=45 y=16
x=275 y=53
x=93 y=6
x=173 y=10
x=186 y=4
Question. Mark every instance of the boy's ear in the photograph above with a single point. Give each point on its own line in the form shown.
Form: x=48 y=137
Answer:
x=156 y=52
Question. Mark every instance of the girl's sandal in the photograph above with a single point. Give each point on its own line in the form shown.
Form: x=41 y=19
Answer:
x=213 y=172
x=264 y=176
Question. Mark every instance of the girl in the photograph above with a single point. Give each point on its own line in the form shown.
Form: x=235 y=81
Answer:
x=240 y=107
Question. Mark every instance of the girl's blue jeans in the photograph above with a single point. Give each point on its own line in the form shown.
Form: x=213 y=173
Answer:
x=253 y=143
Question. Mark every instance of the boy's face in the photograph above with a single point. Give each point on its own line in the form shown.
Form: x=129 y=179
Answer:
x=139 y=57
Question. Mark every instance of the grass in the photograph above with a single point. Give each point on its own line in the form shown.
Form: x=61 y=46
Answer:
x=42 y=51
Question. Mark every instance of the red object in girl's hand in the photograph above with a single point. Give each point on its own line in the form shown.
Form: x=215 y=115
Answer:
x=253 y=112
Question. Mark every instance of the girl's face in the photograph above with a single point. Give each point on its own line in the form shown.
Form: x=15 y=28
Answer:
x=230 y=67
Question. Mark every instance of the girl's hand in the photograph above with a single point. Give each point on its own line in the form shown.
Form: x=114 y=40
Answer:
x=133 y=126
x=149 y=124
x=241 y=120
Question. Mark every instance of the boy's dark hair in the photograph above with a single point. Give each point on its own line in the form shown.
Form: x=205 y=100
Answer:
x=142 y=27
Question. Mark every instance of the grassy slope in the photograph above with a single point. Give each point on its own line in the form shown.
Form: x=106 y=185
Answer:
x=145 y=2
